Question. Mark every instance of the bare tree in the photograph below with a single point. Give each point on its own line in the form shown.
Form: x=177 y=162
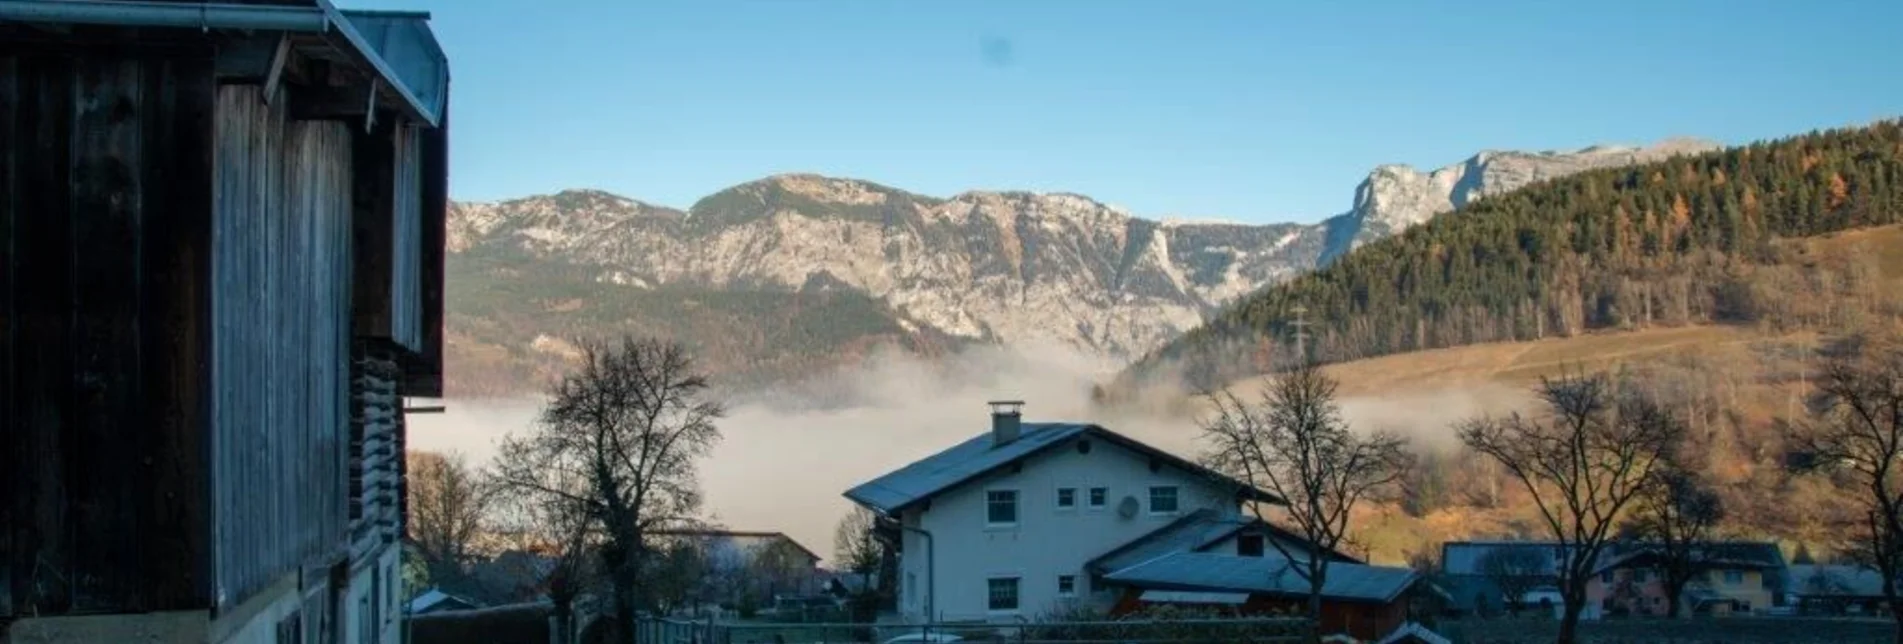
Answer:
x=1292 y=442
x=1584 y=461
x=677 y=574
x=1856 y=430
x=449 y=503
x=782 y=565
x=1677 y=517
x=855 y=548
x=560 y=539
x=619 y=441
x=1516 y=571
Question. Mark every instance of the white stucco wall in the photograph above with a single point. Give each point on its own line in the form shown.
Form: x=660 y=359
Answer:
x=1046 y=542
x=389 y=611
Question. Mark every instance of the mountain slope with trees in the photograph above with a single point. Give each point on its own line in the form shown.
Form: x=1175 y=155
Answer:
x=1689 y=240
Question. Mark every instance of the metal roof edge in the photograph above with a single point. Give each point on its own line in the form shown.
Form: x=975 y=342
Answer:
x=321 y=17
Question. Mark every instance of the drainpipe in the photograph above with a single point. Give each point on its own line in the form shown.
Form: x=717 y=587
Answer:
x=931 y=578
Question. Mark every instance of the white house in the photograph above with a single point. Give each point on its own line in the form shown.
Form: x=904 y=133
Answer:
x=1026 y=520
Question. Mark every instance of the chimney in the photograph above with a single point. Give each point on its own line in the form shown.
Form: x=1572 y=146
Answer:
x=1004 y=421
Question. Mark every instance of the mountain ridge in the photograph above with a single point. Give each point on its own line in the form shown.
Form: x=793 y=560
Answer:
x=1009 y=267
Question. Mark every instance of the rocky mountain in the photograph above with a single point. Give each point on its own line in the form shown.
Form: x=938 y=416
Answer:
x=774 y=278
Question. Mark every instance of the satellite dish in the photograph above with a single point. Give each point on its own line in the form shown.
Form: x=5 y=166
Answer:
x=1127 y=507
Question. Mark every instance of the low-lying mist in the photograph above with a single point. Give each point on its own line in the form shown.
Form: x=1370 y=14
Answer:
x=784 y=459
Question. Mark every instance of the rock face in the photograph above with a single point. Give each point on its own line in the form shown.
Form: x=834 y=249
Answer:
x=1394 y=197
x=994 y=267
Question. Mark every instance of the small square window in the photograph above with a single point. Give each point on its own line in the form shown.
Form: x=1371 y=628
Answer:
x=1249 y=545
x=1001 y=593
x=1066 y=498
x=1067 y=585
x=1099 y=496
x=1734 y=577
x=1605 y=577
x=1001 y=507
x=1163 y=499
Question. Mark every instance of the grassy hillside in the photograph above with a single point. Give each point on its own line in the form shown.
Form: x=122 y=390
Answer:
x=1732 y=383
x=516 y=318
x=1688 y=241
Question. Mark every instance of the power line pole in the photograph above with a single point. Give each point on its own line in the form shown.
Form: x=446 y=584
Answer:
x=1301 y=334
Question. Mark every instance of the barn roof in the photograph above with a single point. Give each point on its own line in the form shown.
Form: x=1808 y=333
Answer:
x=396 y=48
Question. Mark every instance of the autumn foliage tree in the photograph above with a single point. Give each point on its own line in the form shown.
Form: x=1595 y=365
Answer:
x=449 y=508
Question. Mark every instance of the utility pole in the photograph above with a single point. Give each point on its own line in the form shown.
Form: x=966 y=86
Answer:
x=1301 y=334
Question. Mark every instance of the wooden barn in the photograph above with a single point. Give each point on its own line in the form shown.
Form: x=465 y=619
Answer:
x=222 y=227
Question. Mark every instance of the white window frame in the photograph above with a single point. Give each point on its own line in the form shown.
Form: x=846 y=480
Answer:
x=1176 y=493
x=1058 y=501
x=1017 y=507
x=1073 y=586
x=1092 y=503
x=1017 y=587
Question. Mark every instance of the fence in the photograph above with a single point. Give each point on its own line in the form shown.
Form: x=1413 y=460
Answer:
x=1249 y=630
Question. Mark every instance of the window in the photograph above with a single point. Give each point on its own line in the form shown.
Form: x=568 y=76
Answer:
x=1605 y=577
x=1249 y=545
x=1001 y=507
x=1163 y=499
x=911 y=588
x=376 y=598
x=1002 y=594
x=366 y=625
x=1066 y=498
x=1734 y=577
x=290 y=631
x=1066 y=585
x=1639 y=575
x=1098 y=496
x=389 y=594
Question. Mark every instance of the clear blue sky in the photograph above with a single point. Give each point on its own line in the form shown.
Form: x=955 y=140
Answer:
x=1258 y=110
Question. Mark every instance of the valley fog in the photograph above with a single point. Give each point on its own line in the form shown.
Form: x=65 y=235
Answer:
x=782 y=465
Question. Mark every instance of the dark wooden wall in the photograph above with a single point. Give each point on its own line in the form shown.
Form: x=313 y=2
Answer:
x=389 y=302
x=104 y=219
x=281 y=273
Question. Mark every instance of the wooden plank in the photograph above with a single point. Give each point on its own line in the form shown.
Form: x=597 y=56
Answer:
x=11 y=466
x=106 y=475
x=406 y=211
x=176 y=262
x=426 y=377
x=43 y=382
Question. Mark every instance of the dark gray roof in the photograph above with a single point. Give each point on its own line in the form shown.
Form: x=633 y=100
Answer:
x=978 y=456
x=1464 y=557
x=1835 y=581
x=1189 y=533
x=1263 y=575
x=1757 y=555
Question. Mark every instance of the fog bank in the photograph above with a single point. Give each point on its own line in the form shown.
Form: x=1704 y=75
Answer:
x=784 y=462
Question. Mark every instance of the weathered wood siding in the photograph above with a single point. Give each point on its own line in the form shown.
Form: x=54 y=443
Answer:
x=281 y=274
x=104 y=219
